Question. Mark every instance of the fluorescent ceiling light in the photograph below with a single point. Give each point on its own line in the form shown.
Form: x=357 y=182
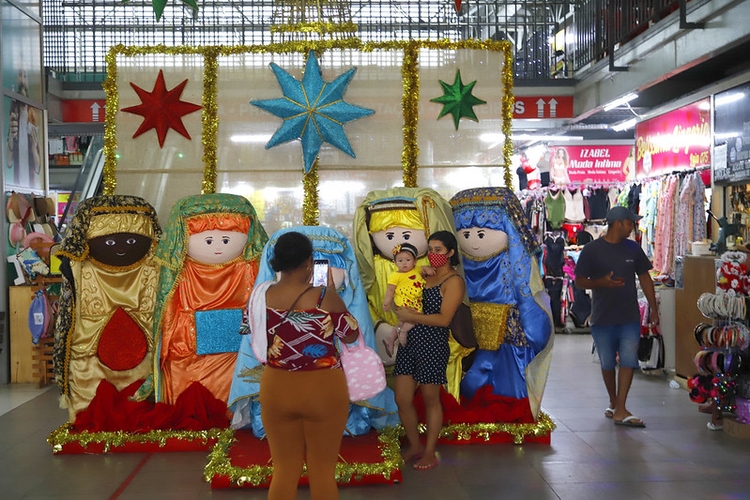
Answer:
x=622 y=100
x=259 y=138
x=527 y=137
x=729 y=98
x=727 y=135
x=626 y=125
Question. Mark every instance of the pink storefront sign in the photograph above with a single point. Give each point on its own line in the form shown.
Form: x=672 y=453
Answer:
x=678 y=140
x=595 y=164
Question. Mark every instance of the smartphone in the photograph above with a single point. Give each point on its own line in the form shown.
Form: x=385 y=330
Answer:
x=320 y=272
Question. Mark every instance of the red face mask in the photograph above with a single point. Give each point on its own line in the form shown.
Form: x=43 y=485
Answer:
x=437 y=259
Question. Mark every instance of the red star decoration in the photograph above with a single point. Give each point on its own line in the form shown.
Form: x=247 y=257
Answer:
x=162 y=109
x=458 y=5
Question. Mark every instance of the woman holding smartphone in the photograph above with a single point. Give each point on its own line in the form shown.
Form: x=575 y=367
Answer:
x=303 y=393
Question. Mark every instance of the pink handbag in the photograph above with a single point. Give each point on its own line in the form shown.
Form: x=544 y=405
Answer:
x=365 y=375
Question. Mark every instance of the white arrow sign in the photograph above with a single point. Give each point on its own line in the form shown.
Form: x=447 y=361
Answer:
x=541 y=103
x=540 y=107
x=552 y=108
x=95 y=112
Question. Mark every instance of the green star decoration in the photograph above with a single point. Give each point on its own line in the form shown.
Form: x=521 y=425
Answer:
x=457 y=100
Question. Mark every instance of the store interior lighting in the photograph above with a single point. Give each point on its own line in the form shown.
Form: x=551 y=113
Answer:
x=497 y=137
x=725 y=99
x=621 y=101
x=548 y=138
x=624 y=125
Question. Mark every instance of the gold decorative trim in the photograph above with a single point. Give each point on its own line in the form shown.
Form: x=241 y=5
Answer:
x=62 y=436
x=310 y=204
x=410 y=98
x=315 y=27
x=219 y=463
x=464 y=432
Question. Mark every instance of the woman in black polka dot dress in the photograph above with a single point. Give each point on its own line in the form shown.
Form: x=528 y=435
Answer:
x=424 y=359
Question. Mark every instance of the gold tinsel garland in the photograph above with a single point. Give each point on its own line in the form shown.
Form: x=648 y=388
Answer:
x=109 y=173
x=62 y=436
x=310 y=205
x=209 y=117
x=410 y=108
x=465 y=432
x=315 y=27
x=409 y=70
x=219 y=463
x=507 y=106
x=111 y=106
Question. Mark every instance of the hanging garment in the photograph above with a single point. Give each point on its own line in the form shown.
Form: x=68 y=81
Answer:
x=555 y=255
x=598 y=204
x=554 y=287
x=555 y=203
x=612 y=195
x=574 y=205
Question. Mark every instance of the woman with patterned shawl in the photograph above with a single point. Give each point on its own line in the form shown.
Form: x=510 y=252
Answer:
x=106 y=307
x=383 y=220
x=512 y=316
x=202 y=292
x=328 y=243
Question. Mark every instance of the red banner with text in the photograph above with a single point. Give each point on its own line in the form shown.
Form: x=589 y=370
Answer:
x=677 y=140
x=591 y=164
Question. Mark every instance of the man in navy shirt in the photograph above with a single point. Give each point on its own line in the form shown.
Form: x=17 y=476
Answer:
x=608 y=266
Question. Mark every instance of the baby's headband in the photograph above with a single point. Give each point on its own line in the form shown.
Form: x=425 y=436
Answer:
x=405 y=247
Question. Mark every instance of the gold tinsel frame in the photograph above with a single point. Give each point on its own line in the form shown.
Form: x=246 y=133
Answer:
x=465 y=432
x=219 y=463
x=109 y=439
x=209 y=118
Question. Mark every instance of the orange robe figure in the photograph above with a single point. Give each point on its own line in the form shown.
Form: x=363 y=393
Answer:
x=210 y=260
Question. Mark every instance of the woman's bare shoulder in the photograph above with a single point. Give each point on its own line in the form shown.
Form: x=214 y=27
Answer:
x=332 y=302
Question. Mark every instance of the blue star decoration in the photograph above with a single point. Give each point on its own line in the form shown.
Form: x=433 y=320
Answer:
x=458 y=100
x=313 y=110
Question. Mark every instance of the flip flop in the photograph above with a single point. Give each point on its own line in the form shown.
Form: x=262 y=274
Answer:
x=630 y=421
x=419 y=466
x=609 y=412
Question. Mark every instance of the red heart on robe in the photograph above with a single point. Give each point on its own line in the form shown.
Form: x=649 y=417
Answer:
x=122 y=344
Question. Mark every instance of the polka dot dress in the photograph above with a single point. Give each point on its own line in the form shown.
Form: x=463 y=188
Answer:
x=425 y=356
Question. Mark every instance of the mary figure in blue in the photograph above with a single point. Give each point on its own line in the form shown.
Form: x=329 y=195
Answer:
x=377 y=412
x=510 y=307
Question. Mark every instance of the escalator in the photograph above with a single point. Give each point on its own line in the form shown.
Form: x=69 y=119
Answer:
x=88 y=182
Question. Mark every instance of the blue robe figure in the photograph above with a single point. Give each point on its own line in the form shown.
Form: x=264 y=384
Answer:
x=379 y=411
x=510 y=307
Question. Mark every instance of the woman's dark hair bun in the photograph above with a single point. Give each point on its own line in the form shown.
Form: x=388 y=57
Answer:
x=291 y=250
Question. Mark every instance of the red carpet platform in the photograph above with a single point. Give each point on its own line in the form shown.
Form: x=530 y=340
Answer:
x=488 y=418
x=63 y=441
x=115 y=423
x=240 y=460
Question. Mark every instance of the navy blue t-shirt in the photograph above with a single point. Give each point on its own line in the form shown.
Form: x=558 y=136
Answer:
x=619 y=305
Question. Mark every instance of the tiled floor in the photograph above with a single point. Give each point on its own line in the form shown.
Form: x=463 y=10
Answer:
x=674 y=457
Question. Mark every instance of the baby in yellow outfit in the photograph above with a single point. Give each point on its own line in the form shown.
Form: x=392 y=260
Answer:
x=404 y=290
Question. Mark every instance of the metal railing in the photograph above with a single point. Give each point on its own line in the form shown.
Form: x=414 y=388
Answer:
x=552 y=38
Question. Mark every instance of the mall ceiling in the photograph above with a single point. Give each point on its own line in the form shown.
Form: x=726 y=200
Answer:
x=656 y=98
